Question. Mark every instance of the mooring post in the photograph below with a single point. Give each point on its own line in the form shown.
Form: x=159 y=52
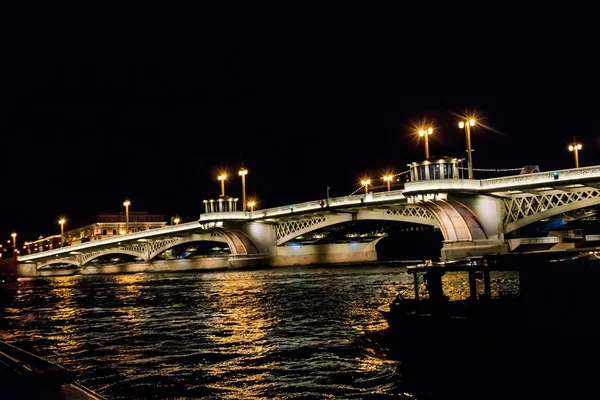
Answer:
x=486 y=284
x=472 y=285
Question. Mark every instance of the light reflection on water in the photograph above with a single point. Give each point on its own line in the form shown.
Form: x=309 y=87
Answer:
x=278 y=333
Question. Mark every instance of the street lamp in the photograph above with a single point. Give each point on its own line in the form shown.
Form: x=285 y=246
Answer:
x=575 y=147
x=467 y=124
x=366 y=183
x=251 y=204
x=222 y=178
x=61 y=222
x=127 y=203
x=388 y=179
x=243 y=172
x=14 y=238
x=176 y=220
x=426 y=133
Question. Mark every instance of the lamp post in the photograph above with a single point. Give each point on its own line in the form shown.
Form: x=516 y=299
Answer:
x=127 y=203
x=426 y=133
x=176 y=220
x=222 y=178
x=251 y=204
x=14 y=239
x=575 y=147
x=243 y=172
x=467 y=124
x=61 y=222
x=388 y=179
x=366 y=183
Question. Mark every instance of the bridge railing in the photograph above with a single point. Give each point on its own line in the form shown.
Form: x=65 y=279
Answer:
x=541 y=177
x=111 y=240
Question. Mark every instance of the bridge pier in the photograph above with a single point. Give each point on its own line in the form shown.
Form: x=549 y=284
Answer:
x=454 y=250
x=324 y=254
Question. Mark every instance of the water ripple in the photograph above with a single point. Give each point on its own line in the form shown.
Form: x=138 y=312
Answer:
x=290 y=333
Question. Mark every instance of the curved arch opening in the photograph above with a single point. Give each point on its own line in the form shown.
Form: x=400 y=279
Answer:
x=410 y=242
x=59 y=266
x=196 y=249
x=112 y=259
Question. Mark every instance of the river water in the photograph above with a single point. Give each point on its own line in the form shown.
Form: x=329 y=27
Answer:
x=285 y=333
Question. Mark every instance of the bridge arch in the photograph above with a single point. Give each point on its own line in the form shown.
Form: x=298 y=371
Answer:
x=92 y=256
x=525 y=210
x=456 y=221
x=204 y=237
x=289 y=230
x=59 y=261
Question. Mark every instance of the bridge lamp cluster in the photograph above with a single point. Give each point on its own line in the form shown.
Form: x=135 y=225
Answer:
x=366 y=183
x=425 y=133
x=62 y=223
x=126 y=203
x=471 y=122
x=575 y=147
x=222 y=177
x=466 y=125
x=388 y=179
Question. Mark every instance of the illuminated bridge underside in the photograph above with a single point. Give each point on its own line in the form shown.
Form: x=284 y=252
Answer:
x=148 y=250
x=456 y=221
x=528 y=208
x=291 y=229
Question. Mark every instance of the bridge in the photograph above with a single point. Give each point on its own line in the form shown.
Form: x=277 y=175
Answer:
x=475 y=217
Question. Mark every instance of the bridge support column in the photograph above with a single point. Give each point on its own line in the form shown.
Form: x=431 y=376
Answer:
x=457 y=249
x=324 y=254
x=27 y=269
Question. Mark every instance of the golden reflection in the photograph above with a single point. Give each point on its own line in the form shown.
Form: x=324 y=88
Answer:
x=128 y=290
x=241 y=327
x=66 y=312
x=242 y=319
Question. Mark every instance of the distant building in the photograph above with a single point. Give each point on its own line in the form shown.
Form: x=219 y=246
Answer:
x=42 y=244
x=99 y=226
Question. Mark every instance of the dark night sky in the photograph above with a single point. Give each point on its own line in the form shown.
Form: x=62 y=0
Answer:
x=101 y=101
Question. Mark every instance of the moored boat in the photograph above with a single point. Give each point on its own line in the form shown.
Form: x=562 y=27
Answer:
x=556 y=293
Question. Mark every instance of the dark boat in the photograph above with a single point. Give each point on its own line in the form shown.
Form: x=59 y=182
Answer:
x=26 y=376
x=558 y=294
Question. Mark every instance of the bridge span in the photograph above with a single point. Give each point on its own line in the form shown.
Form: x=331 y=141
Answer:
x=475 y=217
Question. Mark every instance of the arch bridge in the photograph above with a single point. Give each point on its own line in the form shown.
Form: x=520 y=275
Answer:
x=473 y=216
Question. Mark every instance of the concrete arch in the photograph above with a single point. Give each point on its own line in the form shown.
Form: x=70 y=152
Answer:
x=205 y=237
x=456 y=221
x=239 y=243
x=59 y=261
x=93 y=256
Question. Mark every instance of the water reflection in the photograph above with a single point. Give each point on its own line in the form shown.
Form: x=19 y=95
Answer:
x=294 y=332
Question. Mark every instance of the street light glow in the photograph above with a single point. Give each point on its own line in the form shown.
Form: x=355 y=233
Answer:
x=388 y=179
x=62 y=221
x=461 y=124
x=575 y=147
x=472 y=122
x=365 y=182
x=243 y=172
x=222 y=177
x=176 y=220
x=127 y=203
